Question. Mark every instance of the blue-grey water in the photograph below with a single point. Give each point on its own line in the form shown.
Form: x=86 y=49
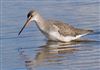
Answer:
x=31 y=51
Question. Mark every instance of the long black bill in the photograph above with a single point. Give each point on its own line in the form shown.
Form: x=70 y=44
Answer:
x=28 y=20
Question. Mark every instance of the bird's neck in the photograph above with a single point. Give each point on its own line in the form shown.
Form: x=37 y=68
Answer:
x=41 y=23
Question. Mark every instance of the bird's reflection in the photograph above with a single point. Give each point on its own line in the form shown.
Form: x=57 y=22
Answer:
x=51 y=52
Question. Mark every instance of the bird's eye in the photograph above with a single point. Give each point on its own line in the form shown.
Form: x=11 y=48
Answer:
x=31 y=15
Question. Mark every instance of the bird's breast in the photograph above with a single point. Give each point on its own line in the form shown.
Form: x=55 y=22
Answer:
x=54 y=36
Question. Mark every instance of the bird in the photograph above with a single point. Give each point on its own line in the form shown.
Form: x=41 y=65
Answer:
x=55 y=30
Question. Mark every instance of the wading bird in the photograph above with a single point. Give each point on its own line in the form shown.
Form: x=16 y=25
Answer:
x=55 y=30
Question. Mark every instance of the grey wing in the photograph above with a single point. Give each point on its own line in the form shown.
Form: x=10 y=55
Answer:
x=68 y=30
x=65 y=29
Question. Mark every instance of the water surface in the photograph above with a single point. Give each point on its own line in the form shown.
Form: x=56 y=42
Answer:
x=31 y=51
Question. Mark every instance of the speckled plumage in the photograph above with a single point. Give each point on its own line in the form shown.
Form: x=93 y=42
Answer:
x=66 y=29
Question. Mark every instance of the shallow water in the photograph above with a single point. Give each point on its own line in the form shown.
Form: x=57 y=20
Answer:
x=31 y=51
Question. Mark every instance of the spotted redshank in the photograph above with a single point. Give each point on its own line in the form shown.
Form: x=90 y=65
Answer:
x=55 y=30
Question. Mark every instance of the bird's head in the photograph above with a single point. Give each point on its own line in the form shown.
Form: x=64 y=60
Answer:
x=31 y=16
